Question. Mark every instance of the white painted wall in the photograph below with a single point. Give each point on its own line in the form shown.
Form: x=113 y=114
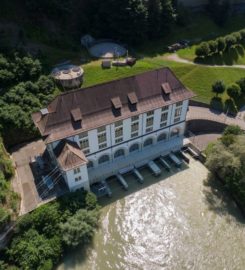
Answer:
x=95 y=153
x=84 y=183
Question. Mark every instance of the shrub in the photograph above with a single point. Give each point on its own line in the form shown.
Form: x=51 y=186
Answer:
x=238 y=37
x=213 y=46
x=221 y=44
x=233 y=130
x=233 y=90
x=241 y=83
x=203 y=49
x=242 y=33
x=230 y=41
x=218 y=87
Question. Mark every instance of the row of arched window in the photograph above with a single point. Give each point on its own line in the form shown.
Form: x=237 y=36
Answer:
x=133 y=148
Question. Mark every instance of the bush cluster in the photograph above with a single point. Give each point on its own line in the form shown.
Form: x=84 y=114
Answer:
x=220 y=44
x=225 y=158
x=42 y=236
x=234 y=90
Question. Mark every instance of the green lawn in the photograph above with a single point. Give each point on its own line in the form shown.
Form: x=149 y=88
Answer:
x=198 y=78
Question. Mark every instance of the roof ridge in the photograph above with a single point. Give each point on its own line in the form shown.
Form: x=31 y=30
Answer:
x=111 y=81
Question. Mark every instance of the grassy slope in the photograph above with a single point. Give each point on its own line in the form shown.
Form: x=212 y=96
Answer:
x=197 y=78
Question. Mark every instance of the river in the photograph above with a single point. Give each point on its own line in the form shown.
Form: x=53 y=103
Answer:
x=176 y=221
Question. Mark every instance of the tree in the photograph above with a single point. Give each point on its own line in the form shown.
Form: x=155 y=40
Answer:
x=238 y=37
x=154 y=8
x=221 y=44
x=32 y=250
x=242 y=33
x=218 y=87
x=230 y=41
x=202 y=50
x=79 y=228
x=241 y=83
x=167 y=15
x=213 y=46
x=233 y=90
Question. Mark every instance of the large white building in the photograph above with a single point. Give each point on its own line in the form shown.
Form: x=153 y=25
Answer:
x=94 y=132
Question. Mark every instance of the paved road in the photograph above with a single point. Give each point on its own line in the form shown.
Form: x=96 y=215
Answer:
x=208 y=114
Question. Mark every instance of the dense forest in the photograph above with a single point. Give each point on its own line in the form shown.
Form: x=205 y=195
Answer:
x=61 y=23
x=23 y=91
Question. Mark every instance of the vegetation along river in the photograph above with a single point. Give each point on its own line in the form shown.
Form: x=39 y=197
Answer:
x=176 y=221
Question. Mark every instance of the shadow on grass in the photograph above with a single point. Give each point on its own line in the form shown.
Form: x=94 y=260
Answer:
x=228 y=57
x=219 y=201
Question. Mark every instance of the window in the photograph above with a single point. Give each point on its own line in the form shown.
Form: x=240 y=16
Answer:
x=118 y=123
x=165 y=108
x=175 y=132
x=148 y=142
x=134 y=147
x=178 y=112
x=162 y=137
x=149 y=122
x=150 y=113
x=118 y=140
x=134 y=127
x=84 y=143
x=104 y=159
x=102 y=146
x=101 y=129
x=118 y=132
x=83 y=135
x=135 y=118
x=76 y=170
x=176 y=119
x=179 y=103
x=77 y=179
x=164 y=117
x=119 y=153
x=90 y=164
x=101 y=138
x=149 y=129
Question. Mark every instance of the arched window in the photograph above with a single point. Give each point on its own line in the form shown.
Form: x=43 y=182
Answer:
x=148 y=142
x=175 y=132
x=119 y=153
x=90 y=164
x=162 y=137
x=104 y=159
x=134 y=147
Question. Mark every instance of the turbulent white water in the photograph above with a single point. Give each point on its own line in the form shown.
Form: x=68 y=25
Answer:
x=174 y=223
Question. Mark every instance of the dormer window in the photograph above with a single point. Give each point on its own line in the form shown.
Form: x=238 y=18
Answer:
x=116 y=106
x=76 y=114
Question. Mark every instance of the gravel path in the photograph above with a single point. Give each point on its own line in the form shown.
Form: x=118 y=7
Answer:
x=175 y=57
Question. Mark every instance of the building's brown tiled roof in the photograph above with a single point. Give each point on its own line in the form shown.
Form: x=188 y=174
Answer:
x=69 y=155
x=96 y=107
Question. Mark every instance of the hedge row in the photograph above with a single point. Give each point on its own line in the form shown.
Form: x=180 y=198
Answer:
x=220 y=44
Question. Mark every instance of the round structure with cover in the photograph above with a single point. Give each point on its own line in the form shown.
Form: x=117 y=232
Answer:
x=68 y=76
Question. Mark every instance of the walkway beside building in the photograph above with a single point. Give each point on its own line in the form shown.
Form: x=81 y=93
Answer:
x=212 y=115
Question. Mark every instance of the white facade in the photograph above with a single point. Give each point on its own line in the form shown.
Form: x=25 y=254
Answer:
x=111 y=146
